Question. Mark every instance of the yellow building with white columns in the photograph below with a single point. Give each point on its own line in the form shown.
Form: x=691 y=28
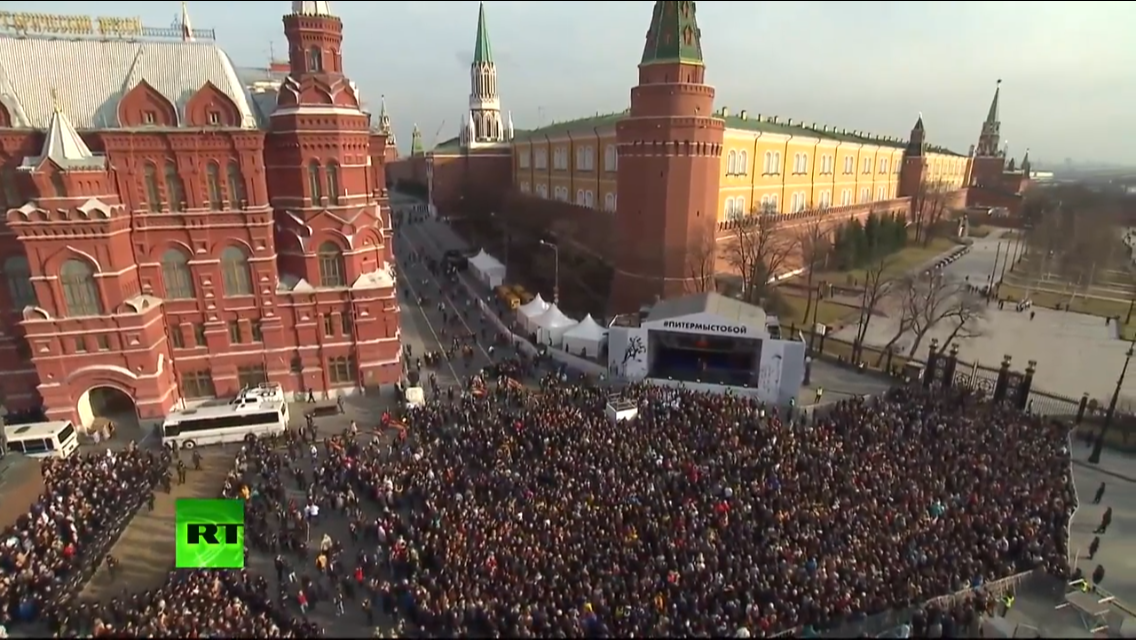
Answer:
x=769 y=164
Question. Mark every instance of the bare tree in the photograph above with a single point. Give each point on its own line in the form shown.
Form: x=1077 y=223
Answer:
x=701 y=262
x=758 y=253
x=875 y=288
x=815 y=243
x=898 y=294
x=928 y=210
x=932 y=300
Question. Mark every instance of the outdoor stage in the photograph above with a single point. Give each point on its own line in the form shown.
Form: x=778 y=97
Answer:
x=707 y=341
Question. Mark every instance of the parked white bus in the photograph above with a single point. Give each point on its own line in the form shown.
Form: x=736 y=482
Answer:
x=42 y=439
x=261 y=411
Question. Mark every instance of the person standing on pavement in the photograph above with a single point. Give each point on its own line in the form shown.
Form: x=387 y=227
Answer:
x=1106 y=520
x=1099 y=494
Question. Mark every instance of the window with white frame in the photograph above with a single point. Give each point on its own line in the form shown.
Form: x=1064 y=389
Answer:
x=609 y=202
x=731 y=167
x=883 y=165
x=767 y=167
x=848 y=165
x=845 y=197
x=560 y=159
x=523 y=159
x=776 y=163
x=774 y=204
x=590 y=156
x=896 y=168
x=590 y=199
x=611 y=158
x=743 y=163
x=541 y=160
x=735 y=208
x=800 y=163
x=881 y=193
x=825 y=199
x=865 y=194
x=542 y=190
x=524 y=186
x=826 y=165
x=867 y=165
x=580 y=197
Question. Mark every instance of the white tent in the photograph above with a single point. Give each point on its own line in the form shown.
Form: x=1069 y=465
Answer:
x=489 y=269
x=527 y=312
x=587 y=337
x=551 y=326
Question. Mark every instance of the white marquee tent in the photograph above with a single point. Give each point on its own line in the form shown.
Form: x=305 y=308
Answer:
x=527 y=312
x=587 y=337
x=489 y=269
x=551 y=326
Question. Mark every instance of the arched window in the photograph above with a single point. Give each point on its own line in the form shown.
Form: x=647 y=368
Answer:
x=213 y=184
x=153 y=193
x=236 y=184
x=731 y=162
x=80 y=292
x=315 y=59
x=235 y=272
x=176 y=275
x=19 y=276
x=580 y=197
x=609 y=202
x=58 y=186
x=610 y=158
x=174 y=187
x=767 y=168
x=333 y=182
x=314 y=181
x=743 y=163
x=333 y=273
x=729 y=208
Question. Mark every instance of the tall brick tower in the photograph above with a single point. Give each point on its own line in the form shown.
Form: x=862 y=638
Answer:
x=989 y=162
x=670 y=148
x=333 y=236
x=914 y=161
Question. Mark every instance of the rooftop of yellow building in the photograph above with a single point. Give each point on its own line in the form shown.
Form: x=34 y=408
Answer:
x=741 y=121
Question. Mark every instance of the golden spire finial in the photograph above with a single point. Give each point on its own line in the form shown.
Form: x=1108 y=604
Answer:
x=55 y=104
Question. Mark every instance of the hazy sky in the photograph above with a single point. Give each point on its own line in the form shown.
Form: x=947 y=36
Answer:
x=1068 y=91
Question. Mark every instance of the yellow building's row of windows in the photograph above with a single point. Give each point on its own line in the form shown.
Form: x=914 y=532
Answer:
x=737 y=164
x=734 y=207
x=584 y=197
x=585 y=158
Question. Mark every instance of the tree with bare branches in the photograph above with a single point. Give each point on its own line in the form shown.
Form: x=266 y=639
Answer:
x=875 y=288
x=758 y=253
x=701 y=262
x=929 y=207
x=814 y=239
x=932 y=300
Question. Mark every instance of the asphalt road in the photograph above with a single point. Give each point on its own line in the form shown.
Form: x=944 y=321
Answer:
x=424 y=325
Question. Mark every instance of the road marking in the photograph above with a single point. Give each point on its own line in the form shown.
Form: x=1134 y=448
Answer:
x=429 y=325
x=457 y=309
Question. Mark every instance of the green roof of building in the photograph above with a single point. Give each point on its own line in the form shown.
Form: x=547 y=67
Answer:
x=482 y=51
x=673 y=35
x=756 y=124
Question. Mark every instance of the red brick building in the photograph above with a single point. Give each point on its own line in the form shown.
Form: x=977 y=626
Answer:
x=994 y=180
x=171 y=235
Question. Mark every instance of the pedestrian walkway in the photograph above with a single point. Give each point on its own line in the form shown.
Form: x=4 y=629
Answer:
x=146 y=550
x=1117 y=551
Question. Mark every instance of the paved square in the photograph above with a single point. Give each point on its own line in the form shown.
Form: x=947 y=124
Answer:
x=1074 y=351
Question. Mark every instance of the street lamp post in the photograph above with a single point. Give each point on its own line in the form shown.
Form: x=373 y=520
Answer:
x=1098 y=446
x=555 y=271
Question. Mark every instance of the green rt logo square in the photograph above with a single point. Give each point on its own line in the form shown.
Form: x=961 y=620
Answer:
x=210 y=534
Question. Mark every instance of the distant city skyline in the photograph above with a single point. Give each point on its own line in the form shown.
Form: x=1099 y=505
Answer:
x=869 y=65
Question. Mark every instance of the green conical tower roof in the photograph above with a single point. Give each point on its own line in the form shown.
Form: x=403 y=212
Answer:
x=674 y=35
x=482 y=51
x=416 y=142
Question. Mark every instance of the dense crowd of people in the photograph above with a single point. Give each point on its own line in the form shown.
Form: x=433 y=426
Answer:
x=86 y=501
x=518 y=513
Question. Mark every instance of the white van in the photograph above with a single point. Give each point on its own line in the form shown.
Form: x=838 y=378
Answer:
x=42 y=439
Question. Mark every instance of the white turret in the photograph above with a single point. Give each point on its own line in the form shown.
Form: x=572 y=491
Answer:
x=484 y=103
